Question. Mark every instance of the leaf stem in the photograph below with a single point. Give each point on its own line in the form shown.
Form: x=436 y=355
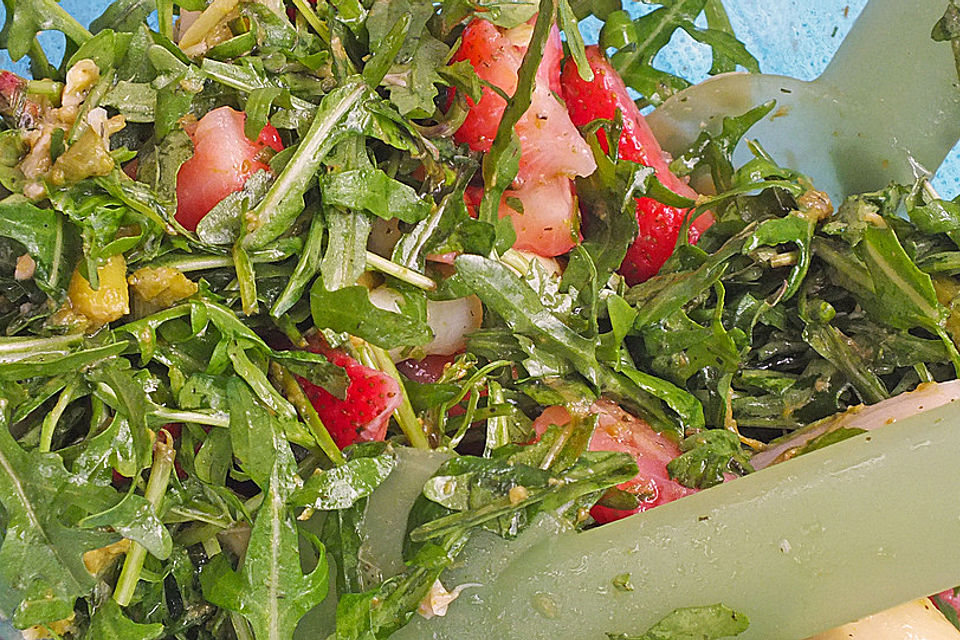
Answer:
x=163 y=457
x=52 y=418
x=313 y=20
x=411 y=277
x=377 y=358
x=246 y=278
x=294 y=393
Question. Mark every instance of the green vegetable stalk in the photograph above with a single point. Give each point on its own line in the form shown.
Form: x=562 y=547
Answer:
x=163 y=457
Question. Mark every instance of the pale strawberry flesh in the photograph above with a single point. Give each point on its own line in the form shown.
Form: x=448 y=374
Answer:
x=618 y=430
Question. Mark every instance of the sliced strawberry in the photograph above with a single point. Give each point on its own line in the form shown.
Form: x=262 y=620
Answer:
x=223 y=159
x=659 y=223
x=14 y=104
x=372 y=397
x=950 y=598
x=617 y=430
x=552 y=151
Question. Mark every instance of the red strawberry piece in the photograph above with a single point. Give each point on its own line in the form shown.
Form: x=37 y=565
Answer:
x=618 y=430
x=659 y=223
x=223 y=159
x=372 y=397
x=552 y=151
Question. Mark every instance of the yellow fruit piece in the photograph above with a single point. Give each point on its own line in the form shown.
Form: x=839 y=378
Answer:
x=111 y=301
x=161 y=286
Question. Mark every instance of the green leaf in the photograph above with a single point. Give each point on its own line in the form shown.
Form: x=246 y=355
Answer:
x=135 y=519
x=26 y=18
x=716 y=150
x=707 y=456
x=108 y=621
x=684 y=404
x=345 y=257
x=694 y=623
x=308 y=265
x=339 y=114
x=41 y=558
x=907 y=294
x=349 y=310
x=795 y=229
x=415 y=90
x=341 y=487
x=374 y=191
x=521 y=308
x=608 y=195
x=571 y=28
x=270 y=590
x=256 y=436
x=477 y=490
x=50 y=243
x=111 y=449
x=123 y=15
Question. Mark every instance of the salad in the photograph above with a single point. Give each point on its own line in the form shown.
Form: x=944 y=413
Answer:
x=308 y=306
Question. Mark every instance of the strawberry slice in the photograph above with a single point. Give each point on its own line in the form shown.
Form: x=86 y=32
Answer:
x=618 y=430
x=659 y=223
x=552 y=150
x=372 y=397
x=223 y=159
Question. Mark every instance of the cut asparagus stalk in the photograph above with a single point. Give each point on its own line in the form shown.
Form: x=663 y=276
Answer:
x=804 y=546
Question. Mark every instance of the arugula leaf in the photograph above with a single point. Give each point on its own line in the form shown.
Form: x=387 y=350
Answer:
x=135 y=519
x=478 y=492
x=374 y=191
x=341 y=487
x=715 y=151
x=41 y=557
x=521 y=308
x=694 y=623
x=608 y=195
x=50 y=242
x=349 y=310
x=345 y=257
x=707 y=456
x=123 y=15
x=26 y=18
x=256 y=423
x=337 y=115
x=270 y=590
x=108 y=621
x=639 y=41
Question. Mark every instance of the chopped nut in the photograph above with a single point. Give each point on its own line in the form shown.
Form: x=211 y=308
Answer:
x=25 y=269
x=438 y=599
x=815 y=203
x=518 y=494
